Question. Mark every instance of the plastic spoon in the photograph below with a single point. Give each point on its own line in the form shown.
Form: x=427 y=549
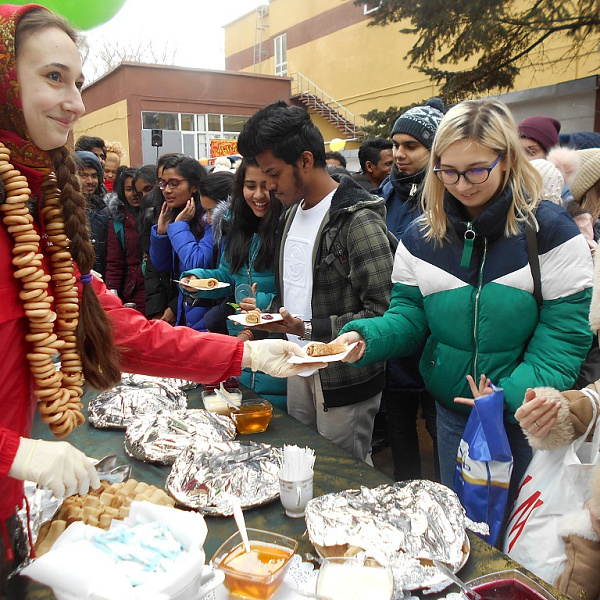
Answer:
x=466 y=589
x=230 y=403
x=238 y=515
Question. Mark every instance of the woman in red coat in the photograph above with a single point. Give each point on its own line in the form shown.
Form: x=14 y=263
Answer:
x=50 y=300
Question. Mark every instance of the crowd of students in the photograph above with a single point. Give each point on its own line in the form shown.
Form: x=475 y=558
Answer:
x=428 y=271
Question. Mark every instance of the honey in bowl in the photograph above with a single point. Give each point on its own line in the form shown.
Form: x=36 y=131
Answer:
x=253 y=574
x=253 y=416
x=259 y=573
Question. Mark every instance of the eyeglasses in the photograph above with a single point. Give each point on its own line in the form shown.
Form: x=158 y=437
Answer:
x=474 y=176
x=172 y=183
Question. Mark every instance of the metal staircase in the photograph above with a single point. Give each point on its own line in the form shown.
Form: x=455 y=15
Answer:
x=314 y=98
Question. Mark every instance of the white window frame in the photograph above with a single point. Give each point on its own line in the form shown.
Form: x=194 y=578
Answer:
x=280 y=54
x=370 y=7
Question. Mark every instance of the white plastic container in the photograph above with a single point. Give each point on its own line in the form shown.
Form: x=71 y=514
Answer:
x=216 y=404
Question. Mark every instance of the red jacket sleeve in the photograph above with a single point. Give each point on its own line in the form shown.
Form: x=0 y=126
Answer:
x=9 y=444
x=156 y=348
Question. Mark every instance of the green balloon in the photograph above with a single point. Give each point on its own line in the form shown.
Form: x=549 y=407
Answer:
x=83 y=14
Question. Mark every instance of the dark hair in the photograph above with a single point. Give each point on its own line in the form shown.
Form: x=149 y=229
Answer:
x=244 y=224
x=285 y=130
x=189 y=168
x=147 y=173
x=122 y=175
x=163 y=158
x=87 y=142
x=370 y=151
x=217 y=186
x=336 y=156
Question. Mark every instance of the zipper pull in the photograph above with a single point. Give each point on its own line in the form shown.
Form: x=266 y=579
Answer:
x=465 y=259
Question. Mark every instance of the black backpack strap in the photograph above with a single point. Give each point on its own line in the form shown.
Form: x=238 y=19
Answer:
x=534 y=261
x=336 y=253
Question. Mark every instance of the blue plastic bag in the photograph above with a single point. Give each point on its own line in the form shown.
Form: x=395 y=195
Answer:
x=484 y=464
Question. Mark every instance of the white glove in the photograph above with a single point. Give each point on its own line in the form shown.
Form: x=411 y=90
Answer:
x=55 y=465
x=271 y=357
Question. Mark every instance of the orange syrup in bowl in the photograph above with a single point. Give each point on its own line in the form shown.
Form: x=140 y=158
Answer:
x=253 y=416
x=256 y=574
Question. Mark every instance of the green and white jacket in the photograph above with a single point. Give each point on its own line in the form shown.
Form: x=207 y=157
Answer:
x=483 y=318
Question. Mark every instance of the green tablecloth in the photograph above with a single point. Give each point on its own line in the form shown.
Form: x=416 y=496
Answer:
x=335 y=470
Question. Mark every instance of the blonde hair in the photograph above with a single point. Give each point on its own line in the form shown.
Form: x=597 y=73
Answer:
x=116 y=148
x=490 y=123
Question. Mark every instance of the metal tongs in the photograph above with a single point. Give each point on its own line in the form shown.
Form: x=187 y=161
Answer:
x=108 y=469
x=237 y=456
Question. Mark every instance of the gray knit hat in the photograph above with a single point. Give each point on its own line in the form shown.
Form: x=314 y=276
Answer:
x=421 y=122
x=588 y=174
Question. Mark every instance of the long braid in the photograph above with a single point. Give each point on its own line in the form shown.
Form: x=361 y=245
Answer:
x=99 y=356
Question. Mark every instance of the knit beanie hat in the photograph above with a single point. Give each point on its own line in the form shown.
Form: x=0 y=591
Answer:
x=421 y=122
x=552 y=178
x=543 y=130
x=588 y=174
x=580 y=139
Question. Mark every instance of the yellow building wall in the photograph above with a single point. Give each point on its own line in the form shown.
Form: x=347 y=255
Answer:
x=364 y=67
x=109 y=123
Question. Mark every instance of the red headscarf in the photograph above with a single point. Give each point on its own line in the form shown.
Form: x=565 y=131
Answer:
x=25 y=155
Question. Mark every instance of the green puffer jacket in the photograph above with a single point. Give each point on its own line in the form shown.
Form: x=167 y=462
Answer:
x=336 y=299
x=484 y=319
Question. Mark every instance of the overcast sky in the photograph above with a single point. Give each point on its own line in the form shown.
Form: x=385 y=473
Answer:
x=191 y=30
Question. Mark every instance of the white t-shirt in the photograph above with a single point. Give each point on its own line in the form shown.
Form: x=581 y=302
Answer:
x=298 y=260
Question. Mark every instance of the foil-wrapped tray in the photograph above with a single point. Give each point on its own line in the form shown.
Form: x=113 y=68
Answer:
x=405 y=525
x=116 y=408
x=133 y=379
x=161 y=437
x=205 y=476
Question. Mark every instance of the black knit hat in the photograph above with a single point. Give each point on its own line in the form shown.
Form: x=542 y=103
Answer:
x=421 y=122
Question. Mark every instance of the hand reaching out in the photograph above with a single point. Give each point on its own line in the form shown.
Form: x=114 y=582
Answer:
x=537 y=415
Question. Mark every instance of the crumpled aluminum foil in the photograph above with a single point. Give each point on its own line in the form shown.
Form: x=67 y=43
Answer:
x=406 y=525
x=205 y=476
x=133 y=379
x=116 y=408
x=163 y=436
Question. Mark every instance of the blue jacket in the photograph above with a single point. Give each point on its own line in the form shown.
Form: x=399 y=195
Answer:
x=176 y=251
x=402 y=195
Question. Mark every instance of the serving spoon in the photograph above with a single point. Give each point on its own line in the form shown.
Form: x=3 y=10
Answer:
x=466 y=589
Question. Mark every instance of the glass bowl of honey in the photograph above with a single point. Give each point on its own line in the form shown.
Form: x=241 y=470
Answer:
x=253 y=416
x=257 y=574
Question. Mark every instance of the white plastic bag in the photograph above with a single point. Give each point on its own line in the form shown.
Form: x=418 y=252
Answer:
x=556 y=482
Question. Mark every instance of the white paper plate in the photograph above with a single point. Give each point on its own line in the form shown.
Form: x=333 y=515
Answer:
x=220 y=285
x=302 y=360
x=241 y=319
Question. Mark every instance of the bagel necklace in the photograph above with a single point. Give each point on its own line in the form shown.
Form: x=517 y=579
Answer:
x=52 y=329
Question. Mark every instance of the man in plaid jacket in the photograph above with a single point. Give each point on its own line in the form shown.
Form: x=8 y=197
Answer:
x=333 y=265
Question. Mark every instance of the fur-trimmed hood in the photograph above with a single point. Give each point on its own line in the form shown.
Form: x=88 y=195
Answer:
x=220 y=216
x=116 y=207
